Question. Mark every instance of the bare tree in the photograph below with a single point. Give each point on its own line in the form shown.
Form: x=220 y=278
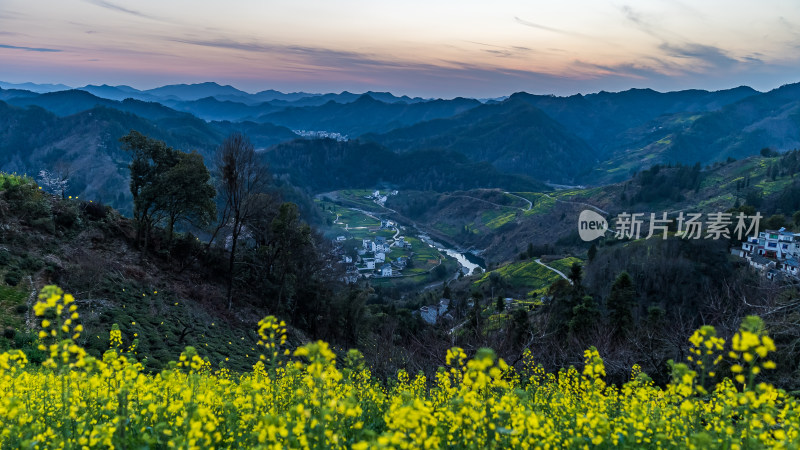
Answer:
x=242 y=176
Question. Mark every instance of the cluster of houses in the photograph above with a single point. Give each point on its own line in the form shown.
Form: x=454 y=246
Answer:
x=379 y=198
x=372 y=257
x=774 y=252
x=322 y=134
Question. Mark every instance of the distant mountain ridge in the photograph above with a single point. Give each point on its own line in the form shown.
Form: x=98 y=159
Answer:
x=324 y=165
x=599 y=118
x=85 y=145
x=513 y=135
x=366 y=114
x=593 y=139
x=34 y=87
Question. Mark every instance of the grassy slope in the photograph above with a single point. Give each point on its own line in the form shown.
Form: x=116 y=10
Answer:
x=527 y=275
x=148 y=298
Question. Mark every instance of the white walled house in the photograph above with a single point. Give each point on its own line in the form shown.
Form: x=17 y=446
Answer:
x=773 y=252
x=791 y=267
x=761 y=262
x=386 y=270
x=749 y=247
x=778 y=243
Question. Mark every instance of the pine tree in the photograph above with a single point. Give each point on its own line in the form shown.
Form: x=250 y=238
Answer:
x=584 y=315
x=592 y=252
x=621 y=302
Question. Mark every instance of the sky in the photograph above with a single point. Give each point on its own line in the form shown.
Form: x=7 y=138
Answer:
x=428 y=48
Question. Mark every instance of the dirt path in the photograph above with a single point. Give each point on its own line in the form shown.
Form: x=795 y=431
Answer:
x=494 y=204
x=30 y=317
x=539 y=260
x=530 y=203
x=578 y=203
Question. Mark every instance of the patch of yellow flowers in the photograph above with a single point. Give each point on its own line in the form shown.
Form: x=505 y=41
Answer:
x=304 y=399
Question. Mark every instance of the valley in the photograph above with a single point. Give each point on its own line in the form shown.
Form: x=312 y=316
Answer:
x=372 y=225
x=456 y=223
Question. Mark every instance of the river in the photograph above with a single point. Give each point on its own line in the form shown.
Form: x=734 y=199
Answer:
x=467 y=260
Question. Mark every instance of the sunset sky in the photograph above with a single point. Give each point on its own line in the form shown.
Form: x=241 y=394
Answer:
x=420 y=48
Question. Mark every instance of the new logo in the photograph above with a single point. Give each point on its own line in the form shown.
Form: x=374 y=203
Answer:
x=591 y=225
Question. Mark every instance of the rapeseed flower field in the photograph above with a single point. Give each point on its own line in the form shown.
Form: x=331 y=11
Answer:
x=309 y=398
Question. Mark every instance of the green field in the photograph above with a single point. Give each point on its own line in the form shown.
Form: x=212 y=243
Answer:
x=541 y=205
x=449 y=229
x=528 y=275
x=515 y=201
x=358 y=224
x=355 y=197
x=495 y=219
x=565 y=264
x=532 y=196
x=12 y=302
x=425 y=257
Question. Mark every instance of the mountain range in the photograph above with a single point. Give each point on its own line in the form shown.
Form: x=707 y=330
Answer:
x=589 y=139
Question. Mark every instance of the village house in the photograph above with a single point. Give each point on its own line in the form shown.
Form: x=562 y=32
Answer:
x=380 y=257
x=773 y=275
x=774 y=252
x=369 y=263
x=791 y=267
x=759 y=262
x=778 y=243
x=386 y=270
x=433 y=313
x=749 y=248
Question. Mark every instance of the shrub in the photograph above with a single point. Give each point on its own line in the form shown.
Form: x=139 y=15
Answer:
x=5 y=257
x=13 y=276
x=94 y=211
x=45 y=224
x=65 y=215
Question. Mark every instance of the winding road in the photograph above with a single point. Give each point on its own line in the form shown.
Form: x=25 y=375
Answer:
x=600 y=210
x=530 y=203
x=539 y=260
